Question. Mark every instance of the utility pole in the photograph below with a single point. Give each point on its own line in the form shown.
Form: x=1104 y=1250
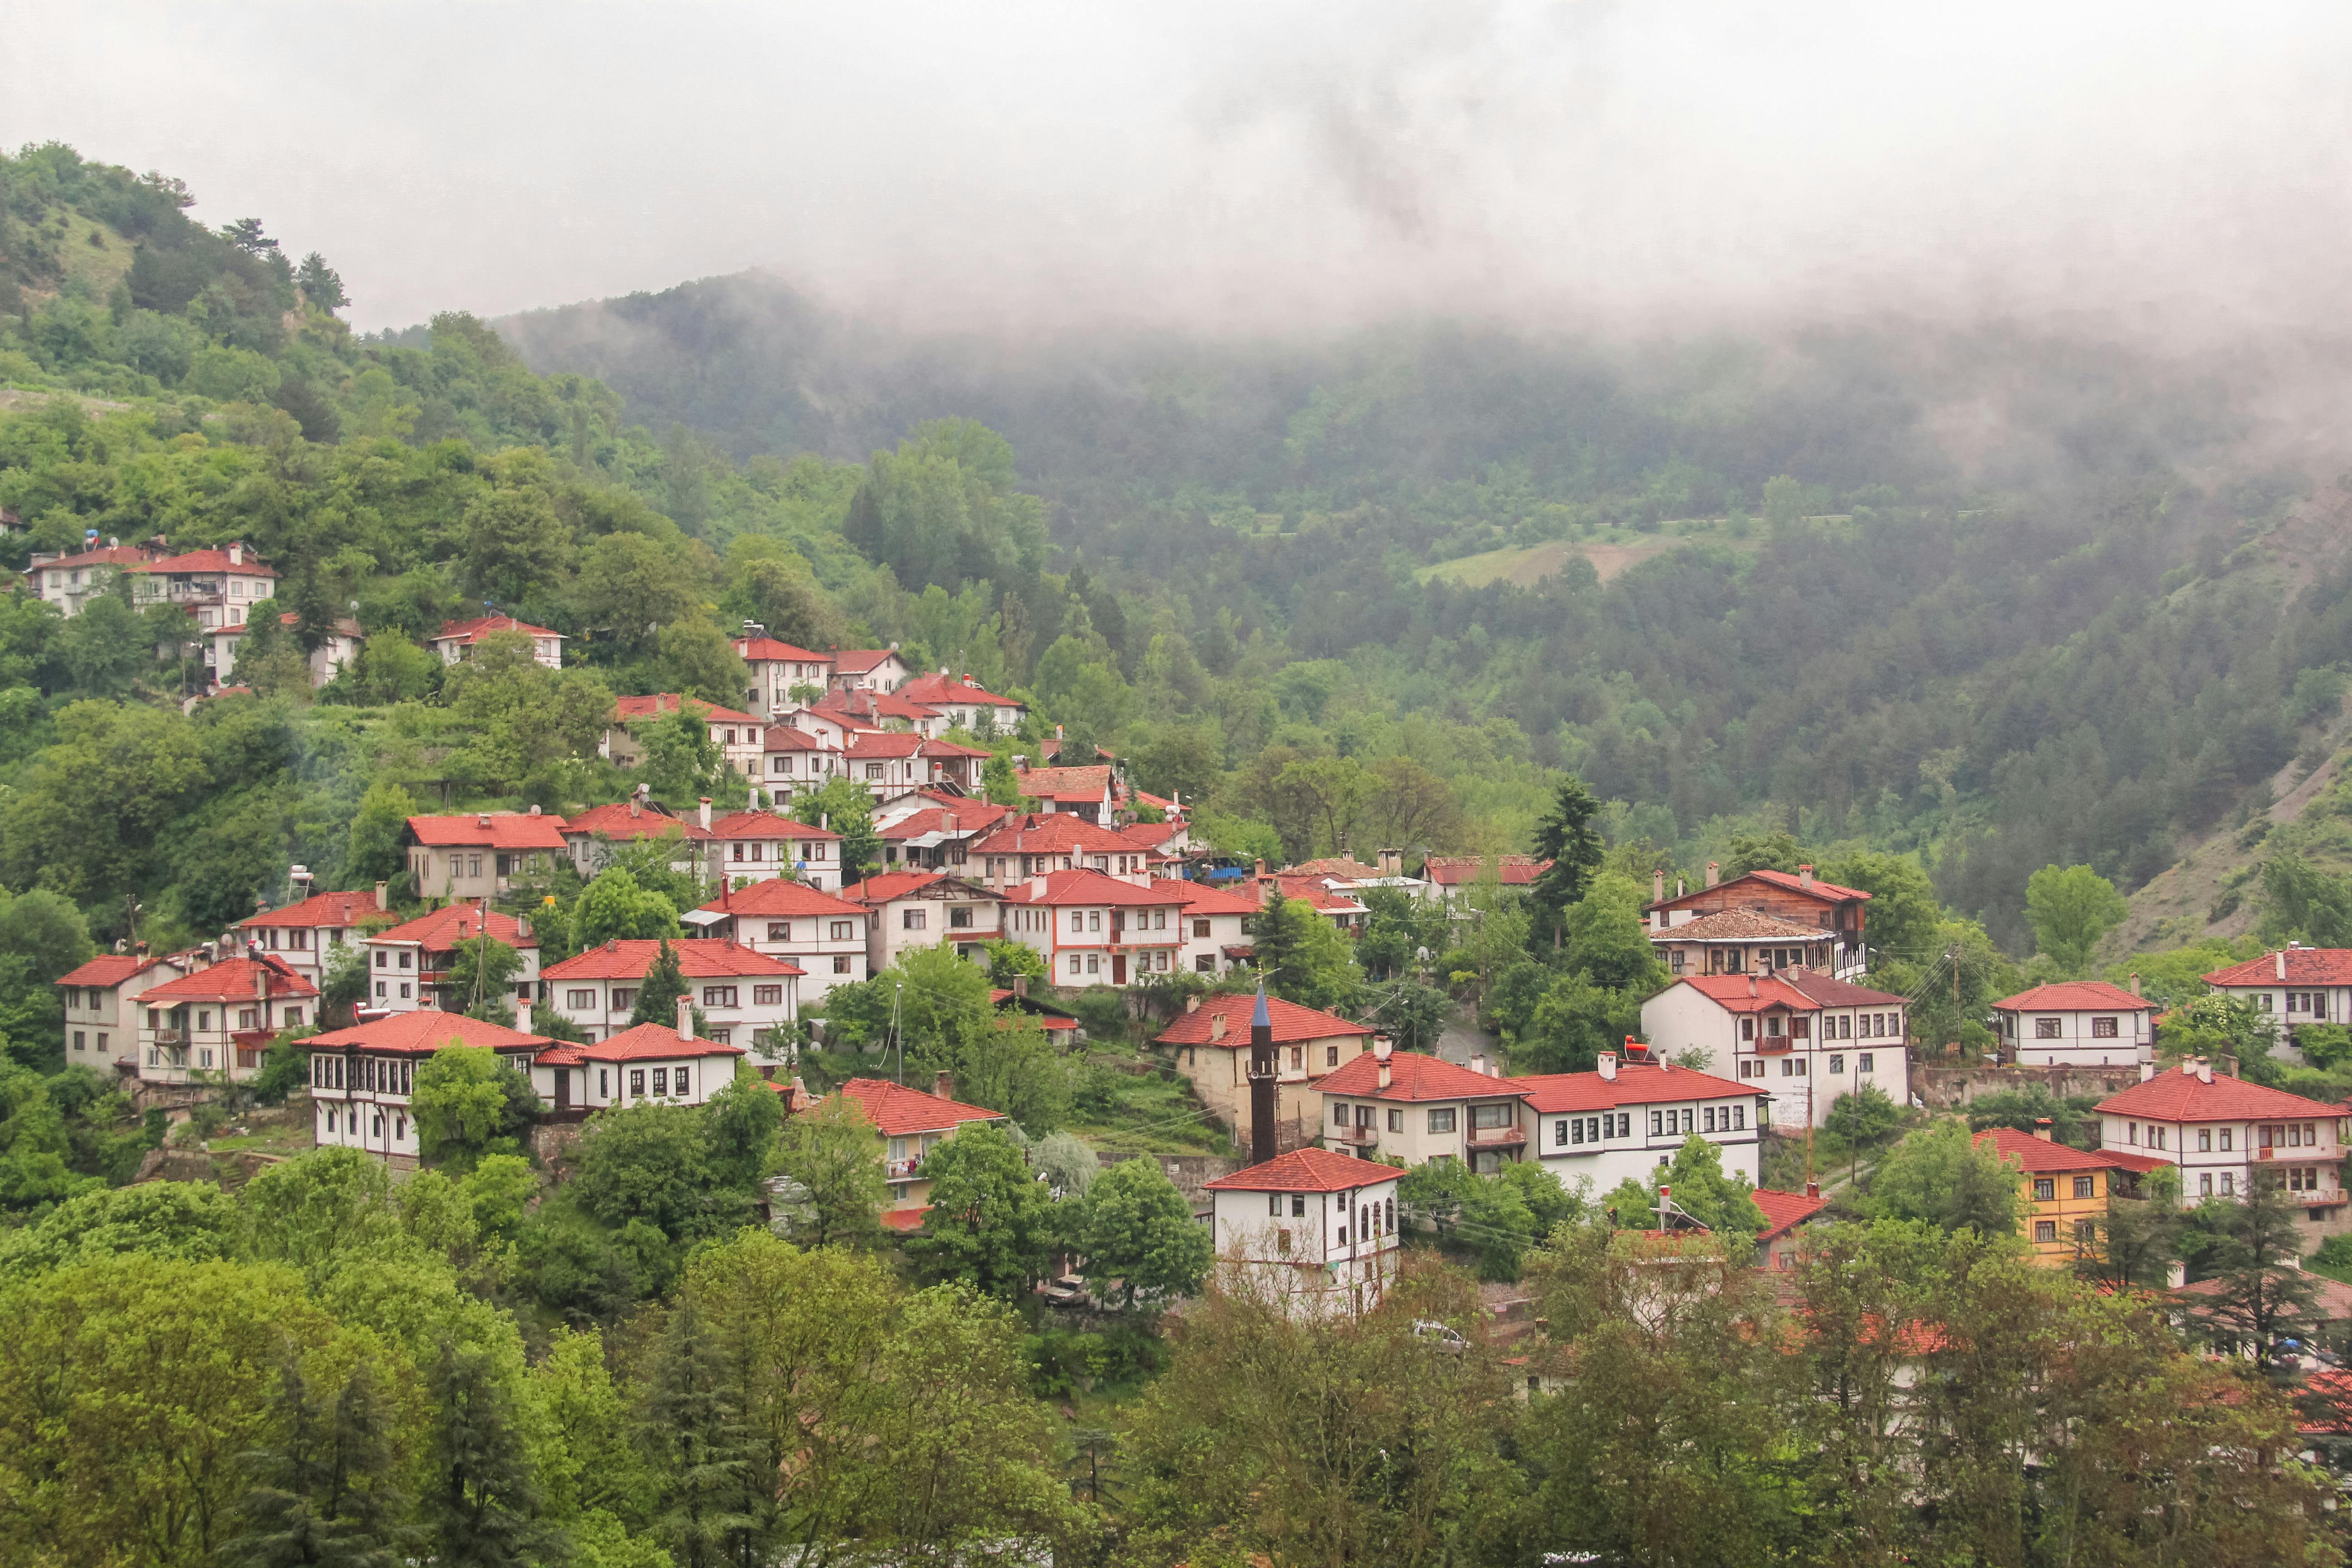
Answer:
x=1261 y=1086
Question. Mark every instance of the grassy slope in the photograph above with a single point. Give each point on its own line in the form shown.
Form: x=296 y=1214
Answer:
x=1610 y=552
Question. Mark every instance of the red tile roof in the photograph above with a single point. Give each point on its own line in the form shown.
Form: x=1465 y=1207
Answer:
x=2075 y=996
x=104 y=555
x=474 y=630
x=1293 y=1024
x=629 y=708
x=108 y=970
x=869 y=745
x=206 y=561
x=1797 y=884
x=230 y=980
x=951 y=748
x=423 y=1033
x=328 y=909
x=1739 y=925
x=1053 y=832
x=1832 y=992
x=1783 y=1212
x=1750 y=993
x=786 y=738
x=699 y=958
x=1340 y=866
x=767 y=825
x=443 y=929
x=2177 y=1095
x=884 y=886
x=943 y=691
x=2037 y=1154
x=871 y=707
x=1064 y=888
x=493 y=830
x=859 y=661
x=757 y=650
x=1636 y=1084
x=781 y=897
x=619 y=823
x=1461 y=870
x=1413 y=1076
x=650 y=1042
x=895 y=1111
x=906 y=1219
x=1066 y=784
x=1200 y=899
x=2305 y=966
x=1306 y=1171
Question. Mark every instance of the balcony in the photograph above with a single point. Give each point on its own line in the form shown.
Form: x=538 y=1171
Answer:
x=169 y=1037
x=1357 y=1136
x=900 y=1169
x=1497 y=1138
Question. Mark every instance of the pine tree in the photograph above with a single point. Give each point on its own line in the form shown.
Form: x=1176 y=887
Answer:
x=483 y=1507
x=325 y=1494
x=699 y=1448
x=663 y=983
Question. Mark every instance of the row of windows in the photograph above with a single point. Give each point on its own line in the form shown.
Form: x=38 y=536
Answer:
x=1837 y=1026
x=2269 y=1135
x=367 y=1075
x=582 y=1000
x=2045 y=1188
x=836 y=930
x=246 y=1018
x=1569 y=1132
x=350 y=1121
x=779 y=763
x=1144 y=962
x=2101 y=1028
x=757 y=850
x=80 y=1036
x=1795 y=1067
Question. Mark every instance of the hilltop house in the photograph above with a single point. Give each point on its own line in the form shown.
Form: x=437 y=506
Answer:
x=306 y=935
x=408 y=964
x=215 y=587
x=1314 y=1231
x=924 y=909
x=2078 y=1022
x=2066 y=1189
x=778 y=669
x=933 y=830
x=1628 y=1117
x=102 y=1004
x=966 y=705
x=1083 y=792
x=1811 y=1037
x=661 y=1062
x=870 y=670
x=69 y=581
x=362 y=1079
x=473 y=857
x=744 y=994
x=1448 y=879
x=1212 y=1040
x=1419 y=1108
x=588 y=836
x=818 y=933
x=1216 y=927
x=218 y=1021
x=756 y=845
x=912 y=1124
x=1095 y=929
x=737 y=735
x=2296 y=984
x=456 y=639
x=1826 y=922
x=798 y=761
x=1778 y=1246
x=1036 y=844
x=2221 y=1132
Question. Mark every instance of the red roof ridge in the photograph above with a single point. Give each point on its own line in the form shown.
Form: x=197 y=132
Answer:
x=1306 y=1171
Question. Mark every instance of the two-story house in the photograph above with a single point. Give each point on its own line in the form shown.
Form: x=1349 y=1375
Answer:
x=1769 y=1031
x=1405 y=1105
x=966 y=705
x=745 y=996
x=218 y=1021
x=1629 y=1117
x=216 y=587
x=2225 y=1133
x=1450 y=879
x=1211 y=1046
x=1083 y=792
x=924 y=909
x=1095 y=929
x=2296 y=984
x=363 y=1079
x=738 y=735
x=886 y=764
x=340 y=644
x=796 y=761
x=782 y=677
x=756 y=845
x=2066 y=1191
x=870 y=670
x=912 y=1123
x=409 y=963
x=669 y=1063
x=589 y=836
x=475 y=857
x=1740 y=941
x=824 y=936
x=1830 y=918
x=2076 y=1022
x=1217 y=929
x=932 y=830
x=69 y=581
x=307 y=935
x=1311 y=1231
x=1037 y=843
x=456 y=639
x=102 y=1005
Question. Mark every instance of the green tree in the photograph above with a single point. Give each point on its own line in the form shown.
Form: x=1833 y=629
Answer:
x=629 y=585
x=1010 y=960
x=1775 y=851
x=466 y=1105
x=697 y=1447
x=520 y=717
x=2250 y=1246
x=1941 y=1176
x=1000 y=782
x=1700 y=1189
x=1565 y=837
x=514 y=542
x=1137 y=1237
x=834 y=1155
x=1303 y=956
x=482 y=1507
x=1017 y=1070
x=1607 y=940
x=741 y=1121
x=939 y=1003
x=480 y=971
x=390 y=668
x=2070 y=910
x=658 y=992
x=613 y=906
x=321 y=285
x=146 y=763
x=373 y=850
x=1903 y=912
x=846 y=807
x=680 y=759
x=697 y=659
x=991 y=1223
x=327 y=1491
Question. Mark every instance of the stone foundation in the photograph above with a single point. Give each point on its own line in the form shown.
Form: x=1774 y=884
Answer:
x=1954 y=1088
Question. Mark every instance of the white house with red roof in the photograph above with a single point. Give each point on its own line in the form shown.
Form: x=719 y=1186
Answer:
x=757 y=846
x=2295 y=984
x=1327 y=896
x=908 y=909
x=340 y=645
x=1833 y=917
x=1415 y=1108
x=646 y=1064
x=216 y=587
x=1803 y=1038
x=824 y=936
x=912 y=1123
x=886 y=763
x=744 y=994
x=363 y=1079
x=966 y=704
x=456 y=639
x=102 y=1004
x=2076 y=1022
x=218 y=1020
x=1037 y=843
x=309 y=932
x=1211 y=1041
x=1779 y=1246
x=870 y=670
x=589 y=836
x=1095 y=929
x=737 y=735
x=2222 y=1131
x=69 y=580
x=408 y=964
x=1741 y=942
x=778 y=669
x=1628 y=1118
x=1216 y=927
x=882 y=711
x=1314 y=1231
x=796 y=761
x=473 y=856
x=1449 y=878
x=935 y=830
x=1086 y=792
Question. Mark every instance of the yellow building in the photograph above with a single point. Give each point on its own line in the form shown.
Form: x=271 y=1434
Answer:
x=2066 y=1189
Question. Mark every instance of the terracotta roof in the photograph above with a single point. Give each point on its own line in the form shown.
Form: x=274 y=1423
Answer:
x=699 y=958
x=443 y=929
x=104 y=555
x=1082 y=887
x=1783 y=1212
x=781 y=896
x=755 y=650
x=1066 y=784
x=941 y=690
x=108 y=970
x=1293 y=1023
x=1828 y=892
x=868 y=744
x=2305 y=966
x=1461 y=870
x=931 y=819
x=1308 y=890
x=1636 y=1083
x=787 y=738
x=320 y=909
x=2075 y=996
x=651 y=1042
x=1150 y=835
x=767 y=825
x=860 y=661
x=1738 y=925
x=423 y=1033
x=950 y=749
x=1306 y=1171
x=494 y=830
x=2184 y=1097
x=906 y=1219
x=884 y=886
x=1053 y=832
x=627 y=709
x=1333 y=866
x=871 y=705
x=2036 y=1154
x=1832 y=992
x=1413 y=1077
x=619 y=823
x=480 y=627
x=230 y=980
x=896 y=1110
x=206 y=561
x=1750 y=993
x=971 y=812
x=1200 y=899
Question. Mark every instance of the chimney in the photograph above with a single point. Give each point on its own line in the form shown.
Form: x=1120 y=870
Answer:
x=1383 y=1047
x=1812 y=1189
x=1192 y=1003
x=1804 y=876
x=1391 y=861
x=2147 y=1072
x=2187 y=1067
x=1216 y=1026
x=1751 y=985
x=1387 y=1075
x=2204 y=1070
x=1478 y=1064
x=1678 y=887
x=1657 y=884
x=2175 y=1274
x=237 y=554
x=522 y=1017
x=2280 y=960
x=522 y=927
x=1609 y=1067
x=686 y=1017
x=384 y=895
x=1261 y=877
x=943 y=1085
x=260 y=981
x=705 y=814
x=1713 y=873
x=2135 y=984
x=1262 y=1096
x=1020 y=986
x=2042 y=1129
x=637 y=805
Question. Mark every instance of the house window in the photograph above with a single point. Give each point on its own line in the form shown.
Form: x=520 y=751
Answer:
x=2045 y=1230
x=1281 y=1238
x=291 y=1018
x=841 y=963
x=1340 y=1115
x=406 y=991
x=2103 y=1029
x=767 y=995
x=779 y=930
x=1862 y=1062
x=1396 y=1121
x=1441 y=1120
x=2046 y=1028
x=1800 y=1028
x=1298 y=1059
x=1200 y=930
x=913 y=919
x=579 y=1001
x=1490 y=1116
x=2228 y=1184
x=2204 y=1139
x=1747 y=1028
x=2044 y=1189
x=960 y=917
x=1330 y=1055
x=874 y=770
x=624 y=998
x=2225 y=1139
x=661 y=1080
x=1837 y=1064
x=2087 y=1186
x=1206 y=963
x=81 y=1041
x=1094 y=964
x=637 y=1082
x=2263 y=1001
x=841 y=930
x=1074 y=964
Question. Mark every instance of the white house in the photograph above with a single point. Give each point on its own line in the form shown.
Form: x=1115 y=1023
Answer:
x=2078 y=1022
x=1216 y=927
x=934 y=830
x=1628 y=1118
x=70 y=581
x=363 y=1079
x=216 y=587
x=589 y=837
x=649 y=1063
x=2221 y=1132
x=1312 y=1230
x=870 y=670
x=912 y=1123
x=2296 y=984
x=965 y=704
x=218 y=1020
x=736 y=734
x=475 y=857
x=924 y=909
x=456 y=639
x=101 y=1003
x=408 y=964
x=797 y=761
x=824 y=936
x=1786 y=1034
x=1095 y=929
x=1419 y=1107
x=756 y=845
x=1037 y=843
x=744 y=994
x=778 y=669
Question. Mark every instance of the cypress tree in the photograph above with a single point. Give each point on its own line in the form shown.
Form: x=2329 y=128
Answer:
x=665 y=982
x=483 y=1507
x=325 y=1494
x=699 y=1448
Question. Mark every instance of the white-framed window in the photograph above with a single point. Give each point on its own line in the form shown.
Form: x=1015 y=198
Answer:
x=579 y=1001
x=1862 y=1063
x=841 y=930
x=767 y=995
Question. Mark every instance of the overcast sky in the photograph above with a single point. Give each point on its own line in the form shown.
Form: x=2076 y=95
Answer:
x=1247 y=165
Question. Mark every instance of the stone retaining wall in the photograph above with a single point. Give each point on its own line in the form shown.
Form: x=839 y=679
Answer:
x=1952 y=1089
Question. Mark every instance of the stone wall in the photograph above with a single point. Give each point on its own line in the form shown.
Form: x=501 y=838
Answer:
x=1191 y=1173
x=1952 y=1089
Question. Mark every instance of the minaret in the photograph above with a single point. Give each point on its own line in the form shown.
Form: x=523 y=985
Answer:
x=1262 y=1071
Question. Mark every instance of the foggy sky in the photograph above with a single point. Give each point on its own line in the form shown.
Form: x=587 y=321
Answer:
x=1249 y=166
